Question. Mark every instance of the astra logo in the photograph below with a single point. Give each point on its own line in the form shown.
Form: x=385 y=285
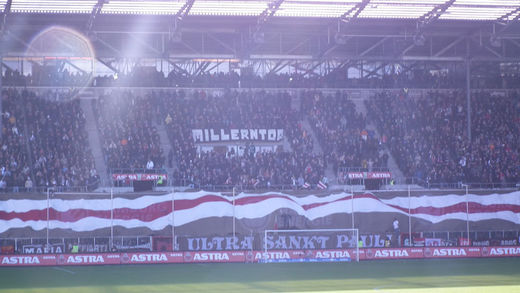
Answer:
x=85 y=259
x=204 y=256
x=272 y=255
x=14 y=260
x=332 y=254
x=449 y=252
x=149 y=257
x=385 y=253
x=505 y=251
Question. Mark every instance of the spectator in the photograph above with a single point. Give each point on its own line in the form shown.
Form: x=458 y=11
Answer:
x=28 y=184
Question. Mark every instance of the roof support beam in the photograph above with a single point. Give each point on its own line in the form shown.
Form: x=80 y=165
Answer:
x=505 y=18
x=177 y=67
x=279 y=66
x=508 y=22
x=7 y=10
x=449 y=46
x=377 y=44
x=26 y=45
x=175 y=26
x=433 y=15
x=101 y=41
x=107 y=64
x=76 y=67
x=344 y=64
x=354 y=12
x=410 y=47
x=96 y=10
x=264 y=18
x=297 y=46
x=311 y=70
x=223 y=44
x=515 y=42
x=349 y=17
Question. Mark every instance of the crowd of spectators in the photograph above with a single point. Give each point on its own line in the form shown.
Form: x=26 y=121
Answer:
x=15 y=164
x=151 y=77
x=44 y=142
x=342 y=132
x=47 y=76
x=232 y=109
x=127 y=125
x=428 y=135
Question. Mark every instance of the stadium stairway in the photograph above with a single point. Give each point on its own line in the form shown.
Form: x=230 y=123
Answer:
x=165 y=147
x=397 y=174
x=93 y=136
x=318 y=150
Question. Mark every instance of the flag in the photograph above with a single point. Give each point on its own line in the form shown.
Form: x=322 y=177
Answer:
x=322 y=185
x=306 y=185
x=154 y=212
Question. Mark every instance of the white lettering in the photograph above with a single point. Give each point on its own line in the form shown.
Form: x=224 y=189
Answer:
x=449 y=252
x=214 y=136
x=244 y=134
x=385 y=253
x=505 y=251
x=332 y=254
x=272 y=255
x=85 y=259
x=234 y=134
x=262 y=133
x=204 y=256
x=253 y=134
x=14 y=260
x=271 y=134
x=149 y=257
x=197 y=135
x=279 y=135
x=223 y=135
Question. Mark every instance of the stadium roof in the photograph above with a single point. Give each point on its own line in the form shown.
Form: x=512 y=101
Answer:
x=296 y=32
x=392 y=9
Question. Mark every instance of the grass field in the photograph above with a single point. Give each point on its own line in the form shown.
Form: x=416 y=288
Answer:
x=454 y=275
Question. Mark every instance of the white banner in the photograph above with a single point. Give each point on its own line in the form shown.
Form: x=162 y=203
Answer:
x=223 y=135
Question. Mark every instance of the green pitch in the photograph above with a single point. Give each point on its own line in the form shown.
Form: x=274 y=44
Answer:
x=455 y=275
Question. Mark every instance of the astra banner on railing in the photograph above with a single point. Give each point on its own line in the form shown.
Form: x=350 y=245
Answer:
x=226 y=135
x=369 y=175
x=139 y=177
x=155 y=211
x=256 y=256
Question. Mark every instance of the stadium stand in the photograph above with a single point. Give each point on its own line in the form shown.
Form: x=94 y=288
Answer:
x=126 y=125
x=45 y=141
x=256 y=109
x=428 y=135
x=342 y=132
x=151 y=77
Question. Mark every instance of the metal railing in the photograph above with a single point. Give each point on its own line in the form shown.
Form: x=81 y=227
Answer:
x=84 y=244
x=42 y=189
x=457 y=185
x=101 y=244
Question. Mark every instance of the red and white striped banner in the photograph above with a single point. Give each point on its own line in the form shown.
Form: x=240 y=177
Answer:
x=154 y=212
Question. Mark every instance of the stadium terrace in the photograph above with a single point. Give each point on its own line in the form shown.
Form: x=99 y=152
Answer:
x=380 y=137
